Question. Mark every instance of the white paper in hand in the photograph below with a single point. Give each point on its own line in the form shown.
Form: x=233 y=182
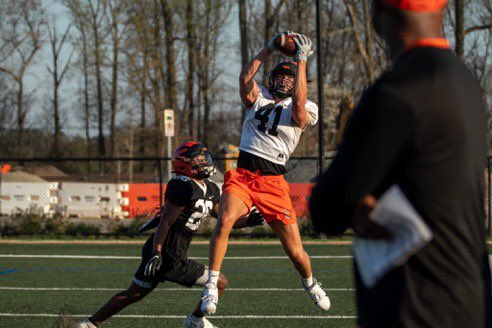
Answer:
x=410 y=233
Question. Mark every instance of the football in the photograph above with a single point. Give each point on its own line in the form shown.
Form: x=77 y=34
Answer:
x=285 y=44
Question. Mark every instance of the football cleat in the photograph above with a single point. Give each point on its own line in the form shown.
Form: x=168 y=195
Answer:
x=210 y=299
x=318 y=295
x=193 y=322
x=86 y=324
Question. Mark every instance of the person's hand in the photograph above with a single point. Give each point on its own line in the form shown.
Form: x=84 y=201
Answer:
x=254 y=218
x=304 y=47
x=271 y=43
x=363 y=226
x=153 y=265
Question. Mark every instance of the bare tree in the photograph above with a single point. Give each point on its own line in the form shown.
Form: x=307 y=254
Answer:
x=190 y=76
x=209 y=43
x=21 y=42
x=57 y=71
x=362 y=47
x=138 y=49
x=460 y=29
x=213 y=20
x=91 y=13
x=116 y=9
x=7 y=102
x=87 y=113
x=271 y=16
x=167 y=16
x=156 y=77
x=459 y=32
x=96 y=15
x=243 y=32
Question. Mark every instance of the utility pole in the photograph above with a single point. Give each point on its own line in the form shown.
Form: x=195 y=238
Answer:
x=169 y=133
x=319 y=64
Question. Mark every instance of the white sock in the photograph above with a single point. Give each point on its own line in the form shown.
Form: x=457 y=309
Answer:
x=89 y=323
x=308 y=282
x=213 y=276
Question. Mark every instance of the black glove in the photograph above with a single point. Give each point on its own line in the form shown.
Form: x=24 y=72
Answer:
x=153 y=265
x=254 y=218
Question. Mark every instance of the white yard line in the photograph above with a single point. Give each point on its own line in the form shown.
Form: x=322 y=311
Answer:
x=112 y=257
x=142 y=316
x=142 y=241
x=169 y=289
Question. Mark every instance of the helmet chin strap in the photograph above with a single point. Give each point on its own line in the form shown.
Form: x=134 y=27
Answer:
x=206 y=172
x=281 y=94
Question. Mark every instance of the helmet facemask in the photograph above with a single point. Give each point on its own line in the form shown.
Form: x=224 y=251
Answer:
x=281 y=85
x=193 y=160
x=203 y=164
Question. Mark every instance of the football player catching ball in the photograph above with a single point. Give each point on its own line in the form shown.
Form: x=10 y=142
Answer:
x=274 y=121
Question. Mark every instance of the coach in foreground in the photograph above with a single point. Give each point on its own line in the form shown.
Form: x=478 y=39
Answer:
x=421 y=126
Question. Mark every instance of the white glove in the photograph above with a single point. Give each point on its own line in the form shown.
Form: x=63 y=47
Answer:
x=304 y=47
x=271 y=43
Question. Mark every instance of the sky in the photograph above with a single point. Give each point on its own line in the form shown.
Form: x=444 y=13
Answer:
x=38 y=80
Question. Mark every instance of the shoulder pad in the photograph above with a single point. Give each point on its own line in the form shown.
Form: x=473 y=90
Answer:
x=182 y=178
x=264 y=93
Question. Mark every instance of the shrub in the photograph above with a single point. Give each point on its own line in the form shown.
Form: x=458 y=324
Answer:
x=129 y=229
x=82 y=229
x=8 y=229
x=30 y=221
x=55 y=225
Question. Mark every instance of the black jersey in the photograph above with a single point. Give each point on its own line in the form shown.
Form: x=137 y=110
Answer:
x=198 y=201
x=254 y=163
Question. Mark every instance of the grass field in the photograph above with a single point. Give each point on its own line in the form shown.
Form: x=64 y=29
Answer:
x=264 y=290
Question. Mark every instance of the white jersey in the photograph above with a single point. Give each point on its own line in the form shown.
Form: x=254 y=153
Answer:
x=269 y=131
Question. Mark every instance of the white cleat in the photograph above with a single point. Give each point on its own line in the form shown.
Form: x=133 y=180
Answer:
x=193 y=322
x=318 y=295
x=86 y=324
x=210 y=299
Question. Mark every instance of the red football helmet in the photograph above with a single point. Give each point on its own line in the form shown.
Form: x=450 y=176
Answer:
x=193 y=160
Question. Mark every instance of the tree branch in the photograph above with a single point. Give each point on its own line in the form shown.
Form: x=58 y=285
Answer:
x=478 y=28
x=9 y=72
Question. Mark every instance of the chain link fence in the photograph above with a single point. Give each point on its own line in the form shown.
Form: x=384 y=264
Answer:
x=114 y=195
x=118 y=194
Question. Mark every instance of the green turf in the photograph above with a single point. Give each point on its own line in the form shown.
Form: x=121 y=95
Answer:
x=264 y=273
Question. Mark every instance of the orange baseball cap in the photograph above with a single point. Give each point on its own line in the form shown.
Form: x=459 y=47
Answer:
x=417 y=5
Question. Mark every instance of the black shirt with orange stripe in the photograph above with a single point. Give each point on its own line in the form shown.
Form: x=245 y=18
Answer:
x=422 y=126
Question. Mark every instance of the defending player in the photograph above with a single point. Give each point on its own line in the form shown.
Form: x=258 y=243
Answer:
x=189 y=197
x=275 y=118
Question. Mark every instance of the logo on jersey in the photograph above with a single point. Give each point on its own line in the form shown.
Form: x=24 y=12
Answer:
x=203 y=208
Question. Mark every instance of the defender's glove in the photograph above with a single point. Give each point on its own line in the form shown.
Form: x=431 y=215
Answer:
x=271 y=43
x=254 y=218
x=153 y=265
x=304 y=47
